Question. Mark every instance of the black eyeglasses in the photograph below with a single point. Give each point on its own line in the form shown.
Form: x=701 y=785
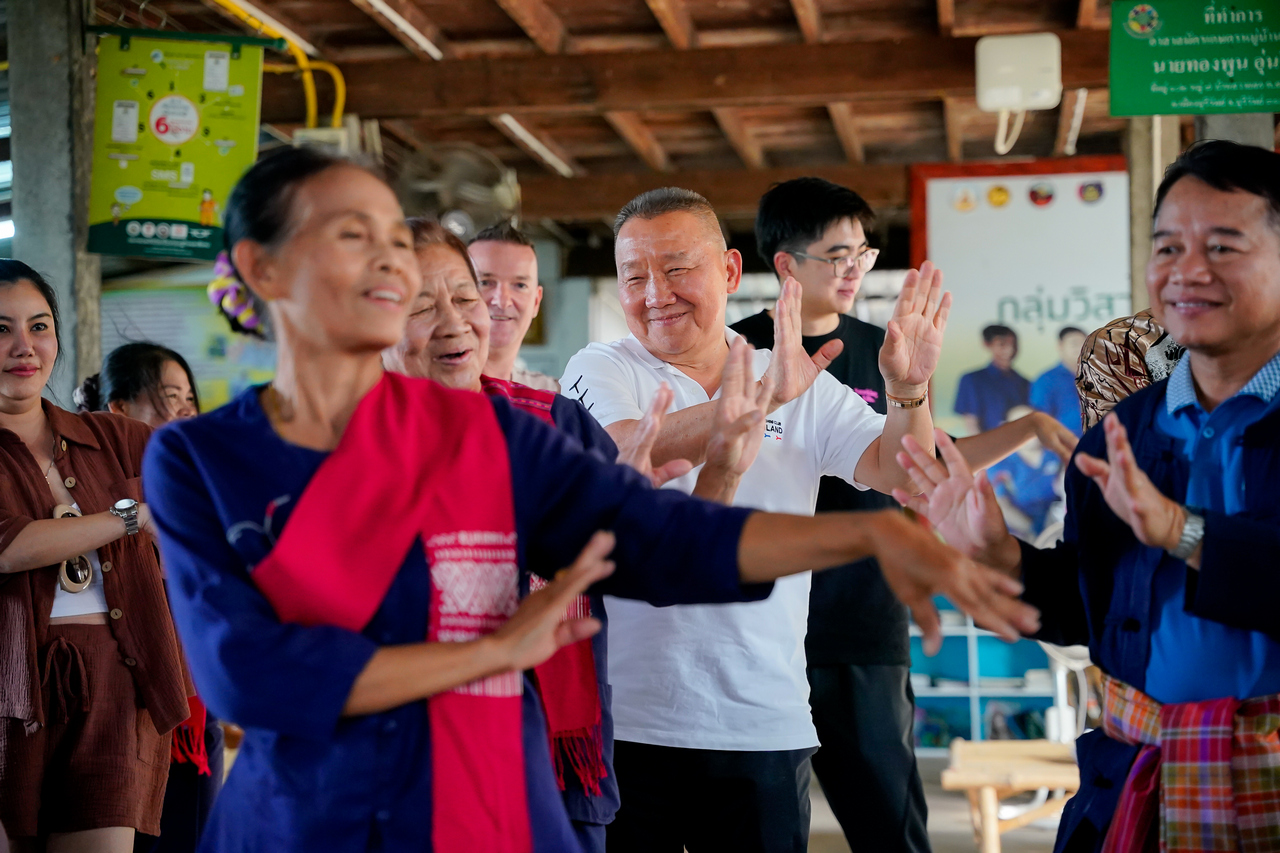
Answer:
x=863 y=261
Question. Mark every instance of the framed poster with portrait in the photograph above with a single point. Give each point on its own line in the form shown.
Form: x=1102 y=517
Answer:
x=1036 y=255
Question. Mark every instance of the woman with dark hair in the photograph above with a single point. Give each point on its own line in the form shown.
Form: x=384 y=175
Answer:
x=154 y=384
x=91 y=677
x=143 y=381
x=346 y=550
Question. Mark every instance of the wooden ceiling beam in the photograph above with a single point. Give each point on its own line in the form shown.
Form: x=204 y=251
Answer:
x=1087 y=14
x=925 y=68
x=946 y=16
x=809 y=18
x=748 y=149
x=539 y=22
x=842 y=118
x=282 y=21
x=408 y=25
x=733 y=192
x=631 y=127
x=539 y=145
x=674 y=18
x=954 y=126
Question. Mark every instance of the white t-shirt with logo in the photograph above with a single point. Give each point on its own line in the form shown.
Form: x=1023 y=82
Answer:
x=723 y=676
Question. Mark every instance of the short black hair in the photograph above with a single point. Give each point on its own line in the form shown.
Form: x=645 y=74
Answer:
x=1068 y=330
x=794 y=213
x=995 y=330
x=503 y=232
x=1227 y=166
x=12 y=272
x=130 y=372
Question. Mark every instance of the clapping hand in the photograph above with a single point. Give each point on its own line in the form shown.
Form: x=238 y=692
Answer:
x=792 y=370
x=638 y=449
x=739 y=425
x=913 y=340
x=1155 y=519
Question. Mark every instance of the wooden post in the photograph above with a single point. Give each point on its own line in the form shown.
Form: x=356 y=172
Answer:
x=1153 y=143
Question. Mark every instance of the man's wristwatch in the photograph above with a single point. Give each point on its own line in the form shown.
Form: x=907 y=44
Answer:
x=1192 y=535
x=127 y=511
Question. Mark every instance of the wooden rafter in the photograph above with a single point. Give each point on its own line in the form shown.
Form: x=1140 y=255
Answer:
x=403 y=133
x=539 y=145
x=809 y=17
x=946 y=16
x=739 y=136
x=1087 y=14
x=733 y=192
x=674 y=18
x=842 y=118
x=954 y=125
x=539 y=22
x=407 y=23
x=920 y=69
x=283 y=21
x=631 y=127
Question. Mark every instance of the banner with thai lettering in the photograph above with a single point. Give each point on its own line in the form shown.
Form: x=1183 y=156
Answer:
x=1178 y=58
x=1034 y=261
x=175 y=126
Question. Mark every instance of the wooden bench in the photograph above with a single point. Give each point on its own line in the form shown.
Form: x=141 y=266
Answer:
x=991 y=770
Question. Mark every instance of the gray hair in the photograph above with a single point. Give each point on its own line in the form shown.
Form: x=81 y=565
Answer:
x=655 y=203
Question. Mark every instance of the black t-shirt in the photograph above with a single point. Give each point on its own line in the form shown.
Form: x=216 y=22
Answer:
x=854 y=618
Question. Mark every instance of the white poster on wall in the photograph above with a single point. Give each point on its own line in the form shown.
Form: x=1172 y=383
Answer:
x=1035 y=262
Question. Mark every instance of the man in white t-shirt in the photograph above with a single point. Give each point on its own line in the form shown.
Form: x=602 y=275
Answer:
x=710 y=702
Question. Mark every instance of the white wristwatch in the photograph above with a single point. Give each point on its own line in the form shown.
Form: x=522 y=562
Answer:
x=1192 y=535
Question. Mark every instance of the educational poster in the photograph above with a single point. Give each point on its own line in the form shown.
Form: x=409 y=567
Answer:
x=172 y=309
x=176 y=124
x=1035 y=261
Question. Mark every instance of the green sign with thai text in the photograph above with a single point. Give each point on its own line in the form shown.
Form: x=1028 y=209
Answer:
x=175 y=126
x=1186 y=58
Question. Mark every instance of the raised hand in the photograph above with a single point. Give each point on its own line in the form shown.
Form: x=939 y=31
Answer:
x=638 y=449
x=913 y=341
x=538 y=628
x=739 y=426
x=917 y=566
x=1155 y=519
x=960 y=505
x=792 y=370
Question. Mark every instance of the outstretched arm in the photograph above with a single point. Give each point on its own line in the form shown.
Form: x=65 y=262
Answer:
x=987 y=448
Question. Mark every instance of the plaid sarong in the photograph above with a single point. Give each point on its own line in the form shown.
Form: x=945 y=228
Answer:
x=1208 y=773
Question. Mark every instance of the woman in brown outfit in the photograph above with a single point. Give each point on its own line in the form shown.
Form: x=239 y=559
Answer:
x=91 y=678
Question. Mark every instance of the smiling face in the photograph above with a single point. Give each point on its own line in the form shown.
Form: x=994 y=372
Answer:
x=447 y=338
x=821 y=290
x=508 y=274
x=28 y=345
x=1214 y=273
x=674 y=281
x=344 y=275
x=174 y=400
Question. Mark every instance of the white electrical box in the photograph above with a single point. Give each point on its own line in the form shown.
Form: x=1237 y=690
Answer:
x=1019 y=72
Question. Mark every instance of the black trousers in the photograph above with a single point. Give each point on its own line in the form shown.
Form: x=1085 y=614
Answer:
x=709 y=800
x=867 y=763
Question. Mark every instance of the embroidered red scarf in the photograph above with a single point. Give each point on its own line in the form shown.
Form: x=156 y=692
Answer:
x=418 y=461
x=570 y=692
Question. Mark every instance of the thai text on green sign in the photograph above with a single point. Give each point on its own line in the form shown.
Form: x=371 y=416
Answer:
x=175 y=126
x=1171 y=58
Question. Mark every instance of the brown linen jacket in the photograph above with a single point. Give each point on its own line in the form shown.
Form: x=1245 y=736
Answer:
x=100 y=458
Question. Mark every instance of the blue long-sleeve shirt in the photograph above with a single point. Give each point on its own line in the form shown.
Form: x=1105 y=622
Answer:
x=1104 y=588
x=222 y=486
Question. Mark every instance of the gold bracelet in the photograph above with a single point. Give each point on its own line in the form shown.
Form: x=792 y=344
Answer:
x=903 y=403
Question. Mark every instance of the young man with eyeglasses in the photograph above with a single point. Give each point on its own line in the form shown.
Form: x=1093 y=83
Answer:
x=857 y=647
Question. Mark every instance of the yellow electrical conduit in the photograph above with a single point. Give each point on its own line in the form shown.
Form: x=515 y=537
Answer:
x=303 y=63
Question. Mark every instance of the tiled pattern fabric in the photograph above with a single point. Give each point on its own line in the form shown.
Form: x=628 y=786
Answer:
x=1209 y=773
x=1115 y=362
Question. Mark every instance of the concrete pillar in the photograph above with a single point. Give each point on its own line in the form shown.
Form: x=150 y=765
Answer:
x=51 y=99
x=1246 y=128
x=1152 y=143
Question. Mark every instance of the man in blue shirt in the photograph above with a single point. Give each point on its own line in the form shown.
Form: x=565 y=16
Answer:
x=1055 y=389
x=985 y=396
x=1171 y=543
